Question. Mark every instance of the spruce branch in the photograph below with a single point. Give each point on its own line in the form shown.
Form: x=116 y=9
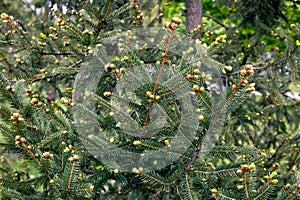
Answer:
x=92 y=10
x=216 y=171
x=164 y=61
x=269 y=64
x=263 y=192
x=245 y=185
x=108 y=9
x=188 y=185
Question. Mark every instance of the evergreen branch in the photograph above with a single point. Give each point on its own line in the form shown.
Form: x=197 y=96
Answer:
x=71 y=174
x=5 y=60
x=131 y=86
x=262 y=193
x=165 y=114
x=163 y=150
x=88 y=6
x=268 y=65
x=30 y=152
x=188 y=185
x=217 y=171
x=75 y=32
x=165 y=57
x=108 y=9
x=10 y=43
x=292 y=193
x=75 y=64
x=115 y=13
x=88 y=114
x=174 y=91
x=206 y=104
x=178 y=192
x=55 y=53
x=233 y=93
x=154 y=179
x=245 y=185
x=225 y=197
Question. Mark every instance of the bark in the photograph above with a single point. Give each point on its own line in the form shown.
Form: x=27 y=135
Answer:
x=194 y=14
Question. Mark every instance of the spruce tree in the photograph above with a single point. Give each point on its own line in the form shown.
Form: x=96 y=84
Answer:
x=100 y=106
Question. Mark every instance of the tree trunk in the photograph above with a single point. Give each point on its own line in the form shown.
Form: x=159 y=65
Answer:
x=194 y=15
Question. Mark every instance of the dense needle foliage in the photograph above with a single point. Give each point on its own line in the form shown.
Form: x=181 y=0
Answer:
x=111 y=100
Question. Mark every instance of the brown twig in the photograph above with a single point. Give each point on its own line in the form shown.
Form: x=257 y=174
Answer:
x=216 y=20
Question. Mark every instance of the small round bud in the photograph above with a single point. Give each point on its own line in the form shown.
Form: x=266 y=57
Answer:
x=137 y=143
x=201 y=117
x=243 y=72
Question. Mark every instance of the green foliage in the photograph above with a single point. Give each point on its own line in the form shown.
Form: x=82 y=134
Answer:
x=96 y=105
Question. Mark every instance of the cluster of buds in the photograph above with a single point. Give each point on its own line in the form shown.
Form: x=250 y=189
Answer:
x=118 y=73
x=251 y=87
x=246 y=168
x=135 y=4
x=109 y=67
x=17 y=117
x=137 y=170
x=209 y=33
x=61 y=23
x=74 y=158
x=54 y=10
x=10 y=89
x=47 y=155
x=269 y=177
x=152 y=97
x=6 y=18
x=18 y=60
x=43 y=36
x=34 y=101
x=52 y=36
x=87 y=32
x=28 y=92
x=66 y=43
x=195 y=74
x=140 y=16
x=198 y=89
x=195 y=30
x=174 y=24
x=275 y=35
x=244 y=82
x=42 y=44
x=19 y=139
x=107 y=94
x=66 y=101
x=53 y=29
x=221 y=39
x=68 y=148
x=247 y=71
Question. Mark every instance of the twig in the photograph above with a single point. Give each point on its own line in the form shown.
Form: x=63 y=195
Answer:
x=216 y=20
x=75 y=64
